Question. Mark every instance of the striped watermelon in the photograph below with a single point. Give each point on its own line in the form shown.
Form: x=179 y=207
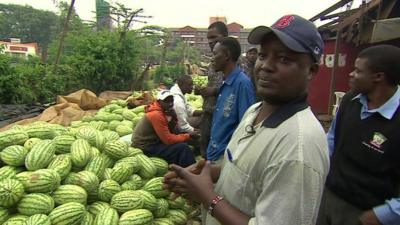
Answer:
x=69 y=193
x=35 y=203
x=107 y=189
x=88 y=133
x=98 y=125
x=11 y=191
x=31 y=142
x=154 y=186
x=177 y=216
x=61 y=164
x=114 y=124
x=161 y=209
x=177 y=203
x=4 y=213
x=109 y=163
x=97 y=165
x=88 y=219
x=16 y=220
x=116 y=149
x=110 y=135
x=42 y=132
x=161 y=165
x=81 y=152
x=121 y=172
x=86 y=179
x=96 y=207
x=95 y=151
x=149 y=201
x=107 y=174
x=63 y=143
x=14 y=155
x=148 y=169
x=127 y=200
x=40 y=155
x=162 y=221
x=136 y=217
x=131 y=185
x=41 y=181
x=134 y=151
x=71 y=213
x=100 y=140
x=12 y=137
x=123 y=130
x=131 y=162
x=38 y=219
x=7 y=172
x=107 y=216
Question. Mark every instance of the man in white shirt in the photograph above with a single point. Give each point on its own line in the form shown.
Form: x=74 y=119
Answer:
x=183 y=110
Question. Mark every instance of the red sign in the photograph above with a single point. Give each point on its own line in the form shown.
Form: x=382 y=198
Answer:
x=17 y=48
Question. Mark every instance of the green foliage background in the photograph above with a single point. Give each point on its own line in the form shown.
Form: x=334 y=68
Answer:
x=96 y=60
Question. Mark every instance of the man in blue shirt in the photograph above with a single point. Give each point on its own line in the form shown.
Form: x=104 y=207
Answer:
x=236 y=95
x=364 y=180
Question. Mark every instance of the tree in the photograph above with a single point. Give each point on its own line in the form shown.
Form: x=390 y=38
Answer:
x=28 y=24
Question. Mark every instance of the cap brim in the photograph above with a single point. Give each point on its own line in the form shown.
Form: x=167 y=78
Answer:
x=164 y=97
x=257 y=35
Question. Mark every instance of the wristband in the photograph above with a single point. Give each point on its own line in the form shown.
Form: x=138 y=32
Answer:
x=214 y=202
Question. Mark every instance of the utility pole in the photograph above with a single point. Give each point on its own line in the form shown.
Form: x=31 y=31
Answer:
x=63 y=34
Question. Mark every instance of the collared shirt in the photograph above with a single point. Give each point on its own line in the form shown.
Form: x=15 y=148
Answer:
x=389 y=213
x=182 y=109
x=275 y=173
x=236 y=95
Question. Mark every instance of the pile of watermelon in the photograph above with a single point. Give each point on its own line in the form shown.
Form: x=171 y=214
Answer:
x=84 y=175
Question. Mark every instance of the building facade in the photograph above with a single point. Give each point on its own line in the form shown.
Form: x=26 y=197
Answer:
x=15 y=48
x=197 y=37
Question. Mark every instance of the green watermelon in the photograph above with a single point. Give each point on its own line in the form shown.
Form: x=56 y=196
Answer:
x=136 y=217
x=14 y=155
x=40 y=156
x=107 y=189
x=35 y=203
x=71 y=213
x=69 y=193
x=11 y=191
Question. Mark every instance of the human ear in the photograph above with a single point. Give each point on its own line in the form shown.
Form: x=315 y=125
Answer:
x=314 y=68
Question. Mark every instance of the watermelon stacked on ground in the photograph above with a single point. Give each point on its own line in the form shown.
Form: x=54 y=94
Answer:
x=83 y=174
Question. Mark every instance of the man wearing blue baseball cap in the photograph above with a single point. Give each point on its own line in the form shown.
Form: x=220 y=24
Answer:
x=276 y=162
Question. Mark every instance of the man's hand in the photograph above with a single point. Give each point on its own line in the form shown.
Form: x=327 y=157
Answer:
x=369 y=218
x=194 y=134
x=208 y=91
x=170 y=178
x=196 y=187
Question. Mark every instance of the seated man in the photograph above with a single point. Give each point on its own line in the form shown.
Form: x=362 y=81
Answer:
x=155 y=135
x=183 y=110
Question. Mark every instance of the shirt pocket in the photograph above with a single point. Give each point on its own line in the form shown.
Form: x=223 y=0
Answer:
x=228 y=105
x=233 y=185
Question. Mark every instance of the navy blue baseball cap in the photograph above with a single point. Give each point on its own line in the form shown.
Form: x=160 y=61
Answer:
x=295 y=32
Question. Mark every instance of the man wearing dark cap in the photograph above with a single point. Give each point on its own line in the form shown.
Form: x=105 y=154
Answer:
x=275 y=165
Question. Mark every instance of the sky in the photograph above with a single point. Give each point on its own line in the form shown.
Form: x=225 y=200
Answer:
x=196 y=13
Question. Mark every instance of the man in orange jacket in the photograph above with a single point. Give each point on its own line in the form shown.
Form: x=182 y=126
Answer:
x=155 y=135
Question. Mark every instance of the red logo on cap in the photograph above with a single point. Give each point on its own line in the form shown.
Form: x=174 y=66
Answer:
x=283 y=22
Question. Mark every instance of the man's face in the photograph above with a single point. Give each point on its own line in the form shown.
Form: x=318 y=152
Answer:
x=220 y=58
x=361 y=79
x=187 y=86
x=252 y=55
x=213 y=35
x=281 y=74
x=167 y=103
